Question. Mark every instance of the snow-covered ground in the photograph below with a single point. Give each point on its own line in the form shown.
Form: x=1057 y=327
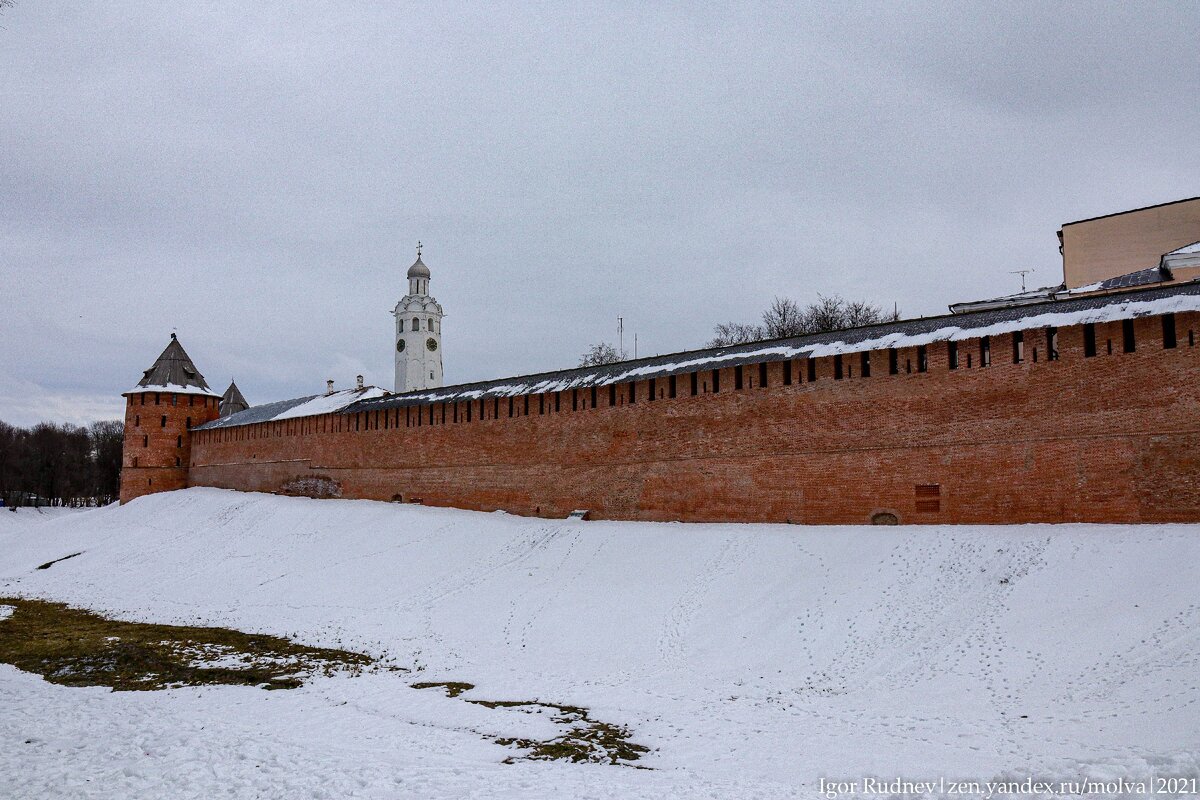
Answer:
x=753 y=659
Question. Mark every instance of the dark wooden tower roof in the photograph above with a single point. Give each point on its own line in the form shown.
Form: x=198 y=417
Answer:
x=232 y=401
x=173 y=372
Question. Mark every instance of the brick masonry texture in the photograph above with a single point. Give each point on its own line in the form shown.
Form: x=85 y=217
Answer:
x=1110 y=438
x=158 y=443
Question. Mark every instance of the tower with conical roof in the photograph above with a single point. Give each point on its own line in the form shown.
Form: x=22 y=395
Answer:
x=171 y=398
x=232 y=401
x=418 y=333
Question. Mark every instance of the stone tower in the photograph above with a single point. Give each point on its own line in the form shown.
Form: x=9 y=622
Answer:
x=171 y=398
x=418 y=333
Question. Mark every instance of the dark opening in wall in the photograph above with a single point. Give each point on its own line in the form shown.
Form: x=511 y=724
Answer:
x=812 y=369
x=541 y=404
x=952 y=354
x=612 y=394
x=1168 y=326
x=495 y=408
x=928 y=497
x=456 y=412
x=431 y=415
x=716 y=379
x=893 y=361
x=787 y=373
x=145 y=441
x=137 y=421
x=671 y=386
x=633 y=391
x=164 y=421
x=737 y=377
x=968 y=360
x=653 y=387
x=1089 y=339
x=482 y=409
x=157 y=398
x=1052 y=343
x=179 y=441
x=1018 y=346
x=557 y=402
x=574 y=399
x=695 y=383
x=985 y=351
x=864 y=363
x=510 y=406
x=922 y=358
x=762 y=375
x=837 y=367
x=470 y=406
x=177 y=462
x=593 y=397
x=1128 y=343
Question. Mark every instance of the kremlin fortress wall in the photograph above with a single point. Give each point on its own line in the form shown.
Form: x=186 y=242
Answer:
x=1080 y=406
x=1060 y=435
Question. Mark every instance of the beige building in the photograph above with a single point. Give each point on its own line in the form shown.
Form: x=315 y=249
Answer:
x=1113 y=245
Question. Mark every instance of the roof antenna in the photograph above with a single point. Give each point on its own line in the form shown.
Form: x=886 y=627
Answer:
x=1022 y=273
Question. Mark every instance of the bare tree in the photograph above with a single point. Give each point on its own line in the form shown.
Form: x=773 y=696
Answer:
x=600 y=353
x=729 y=333
x=785 y=317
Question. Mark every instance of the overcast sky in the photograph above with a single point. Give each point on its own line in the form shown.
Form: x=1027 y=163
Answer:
x=256 y=177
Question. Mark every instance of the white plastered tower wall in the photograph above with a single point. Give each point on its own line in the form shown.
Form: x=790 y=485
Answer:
x=418 y=334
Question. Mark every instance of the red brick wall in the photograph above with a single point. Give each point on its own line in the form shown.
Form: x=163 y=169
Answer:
x=1109 y=438
x=157 y=442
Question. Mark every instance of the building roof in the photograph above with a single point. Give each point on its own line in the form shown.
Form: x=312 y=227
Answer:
x=1141 y=277
x=232 y=401
x=309 y=406
x=904 y=333
x=1131 y=211
x=173 y=372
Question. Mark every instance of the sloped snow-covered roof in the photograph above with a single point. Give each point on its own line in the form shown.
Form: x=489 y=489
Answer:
x=904 y=333
x=173 y=371
x=296 y=407
x=1060 y=312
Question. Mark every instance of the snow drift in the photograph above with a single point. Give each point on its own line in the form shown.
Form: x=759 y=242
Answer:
x=753 y=659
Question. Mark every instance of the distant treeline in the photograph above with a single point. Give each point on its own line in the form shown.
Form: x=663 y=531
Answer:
x=60 y=465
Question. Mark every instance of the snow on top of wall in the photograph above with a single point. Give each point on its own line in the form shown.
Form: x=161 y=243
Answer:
x=173 y=387
x=1194 y=247
x=329 y=403
x=308 y=406
x=790 y=349
x=906 y=333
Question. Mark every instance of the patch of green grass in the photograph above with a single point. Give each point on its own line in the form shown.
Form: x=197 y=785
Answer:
x=74 y=647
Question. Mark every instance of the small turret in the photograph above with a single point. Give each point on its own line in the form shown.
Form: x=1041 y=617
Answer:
x=171 y=398
x=232 y=401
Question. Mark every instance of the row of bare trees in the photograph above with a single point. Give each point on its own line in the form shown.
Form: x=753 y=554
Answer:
x=60 y=465
x=785 y=317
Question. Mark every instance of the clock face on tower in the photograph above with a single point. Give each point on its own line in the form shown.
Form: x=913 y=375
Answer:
x=400 y=346
x=431 y=343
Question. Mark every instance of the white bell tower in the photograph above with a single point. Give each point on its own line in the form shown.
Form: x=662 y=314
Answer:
x=418 y=333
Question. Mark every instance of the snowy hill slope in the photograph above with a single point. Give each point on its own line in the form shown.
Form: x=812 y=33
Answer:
x=753 y=659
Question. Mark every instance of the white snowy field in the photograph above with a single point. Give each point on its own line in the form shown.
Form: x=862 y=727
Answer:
x=753 y=659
